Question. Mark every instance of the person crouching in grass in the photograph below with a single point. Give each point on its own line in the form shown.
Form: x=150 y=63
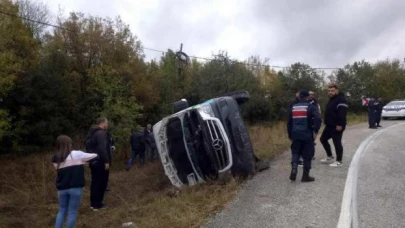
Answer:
x=70 y=179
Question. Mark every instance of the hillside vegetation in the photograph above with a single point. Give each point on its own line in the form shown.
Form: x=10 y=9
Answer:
x=59 y=80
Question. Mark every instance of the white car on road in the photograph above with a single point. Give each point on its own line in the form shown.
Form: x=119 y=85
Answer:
x=394 y=109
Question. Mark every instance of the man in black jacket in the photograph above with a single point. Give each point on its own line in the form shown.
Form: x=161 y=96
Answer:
x=335 y=121
x=137 y=141
x=100 y=144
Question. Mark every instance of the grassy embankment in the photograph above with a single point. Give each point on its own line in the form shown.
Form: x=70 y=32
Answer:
x=142 y=196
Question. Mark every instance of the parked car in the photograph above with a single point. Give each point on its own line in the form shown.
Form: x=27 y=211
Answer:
x=208 y=140
x=394 y=109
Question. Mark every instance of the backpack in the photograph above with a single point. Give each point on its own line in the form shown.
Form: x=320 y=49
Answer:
x=89 y=143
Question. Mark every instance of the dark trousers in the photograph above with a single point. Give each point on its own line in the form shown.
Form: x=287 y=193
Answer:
x=313 y=153
x=330 y=132
x=151 y=153
x=378 y=118
x=133 y=157
x=107 y=177
x=99 y=177
x=304 y=149
x=372 y=119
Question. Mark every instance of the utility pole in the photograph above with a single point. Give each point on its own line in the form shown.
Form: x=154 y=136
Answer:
x=179 y=57
x=183 y=61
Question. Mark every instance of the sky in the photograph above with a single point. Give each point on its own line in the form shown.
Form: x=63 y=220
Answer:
x=319 y=33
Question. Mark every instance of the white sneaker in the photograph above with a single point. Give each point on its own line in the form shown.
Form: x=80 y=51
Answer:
x=327 y=160
x=336 y=164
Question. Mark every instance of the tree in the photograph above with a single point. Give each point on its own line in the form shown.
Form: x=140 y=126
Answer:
x=33 y=12
x=18 y=51
x=389 y=80
x=147 y=90
x=92 y=43
x=223 y=75
x=173 y=86
x=298 y=76
x=358 y=80
x=88 y=70
x=18 y=55
x=194 y=70
x=119 y=104
x=93 y=66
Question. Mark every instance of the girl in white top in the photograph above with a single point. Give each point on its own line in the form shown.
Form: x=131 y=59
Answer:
x=70 y=179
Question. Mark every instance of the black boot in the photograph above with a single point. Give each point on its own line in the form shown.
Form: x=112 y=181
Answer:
x=306 y=177
x=293 y=174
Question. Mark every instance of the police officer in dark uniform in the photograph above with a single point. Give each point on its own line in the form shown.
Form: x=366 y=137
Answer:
x=371 y=114
x=303 y=125
x=378 y=108
x=295 y=101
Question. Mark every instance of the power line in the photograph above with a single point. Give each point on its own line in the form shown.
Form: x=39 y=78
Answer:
x=249 y=64
x=163 y=52
x=151 y=49
x=35 y=21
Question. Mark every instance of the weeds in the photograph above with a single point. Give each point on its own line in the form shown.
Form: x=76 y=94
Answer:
x=353 y=119
x=28 y=197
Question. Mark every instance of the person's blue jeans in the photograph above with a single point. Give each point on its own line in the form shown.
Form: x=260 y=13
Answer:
x=69 y=201
x=133 y=157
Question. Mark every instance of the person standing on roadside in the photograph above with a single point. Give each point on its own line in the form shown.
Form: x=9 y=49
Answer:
x=100 y=144
x=379 y=108
x=296 y=101
x=70 y=179
x=315 y=103
x=372 y=114
x=303 y=125
x=335 y=121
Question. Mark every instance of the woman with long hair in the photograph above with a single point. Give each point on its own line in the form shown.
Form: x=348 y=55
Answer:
x=70 y=179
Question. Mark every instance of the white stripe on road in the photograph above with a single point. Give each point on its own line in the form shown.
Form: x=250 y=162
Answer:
x=348 y=213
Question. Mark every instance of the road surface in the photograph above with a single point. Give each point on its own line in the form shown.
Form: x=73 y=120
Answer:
x=369 y=194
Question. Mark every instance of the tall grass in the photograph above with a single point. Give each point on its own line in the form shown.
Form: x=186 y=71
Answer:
x=269 y=140
x=142 y=195
x=28 y=197
x=353 y=119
